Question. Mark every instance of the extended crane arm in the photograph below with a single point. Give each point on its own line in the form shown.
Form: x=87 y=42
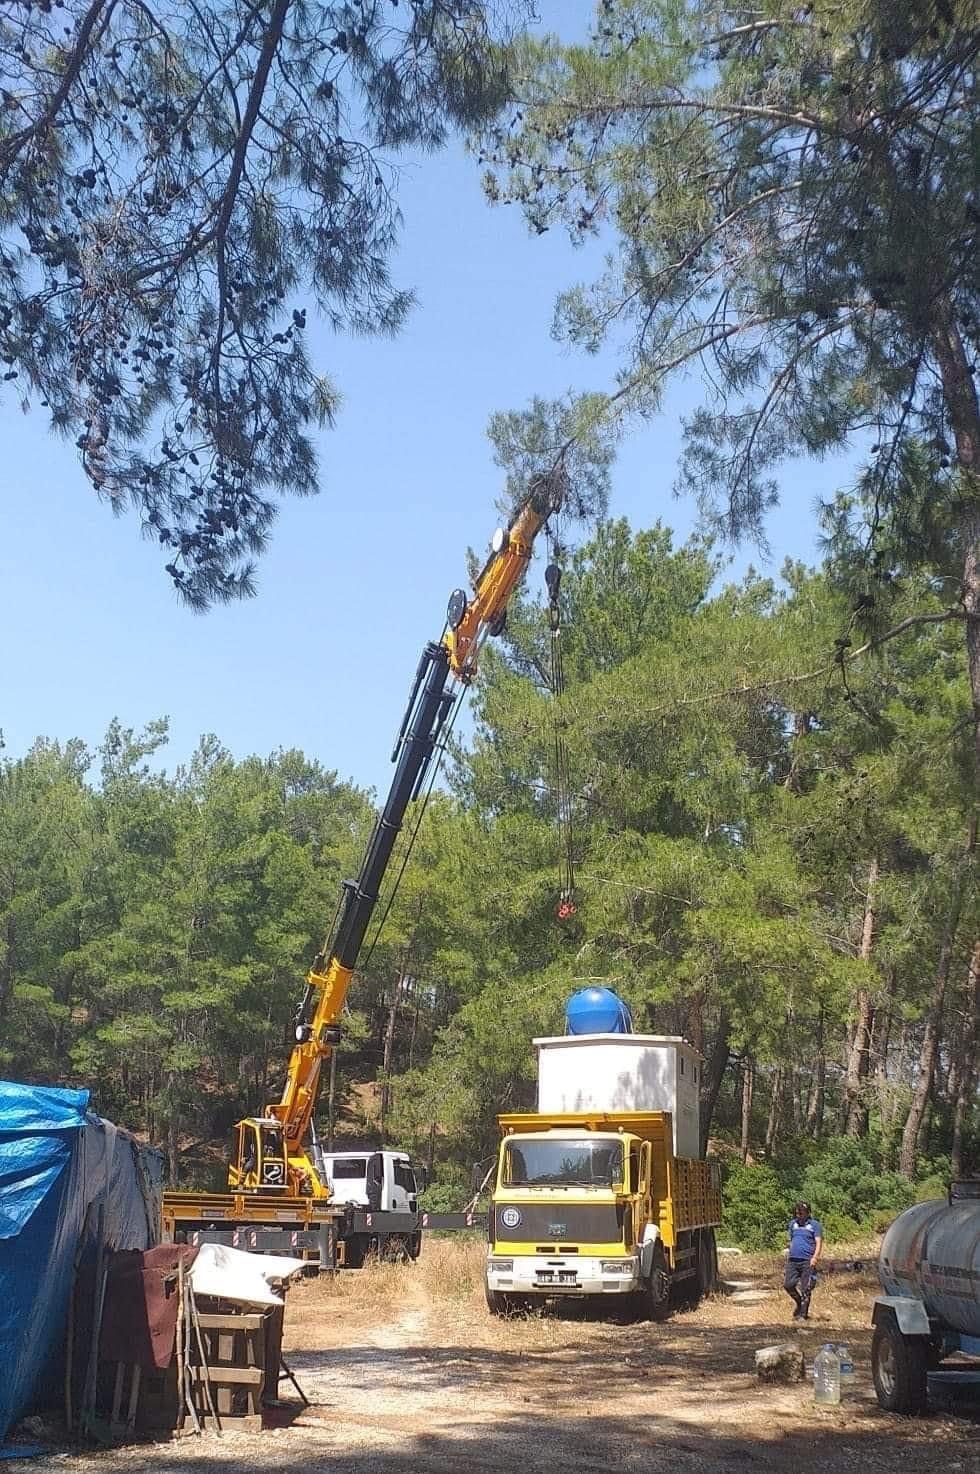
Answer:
x=453 y=659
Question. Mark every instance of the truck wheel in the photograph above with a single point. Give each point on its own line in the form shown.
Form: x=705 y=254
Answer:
x=685 y=1292
x=499 y=1302
x=415 y=1246
x=656 y=1291
x=354 y=1249
x=899 y=1365
x=707 y=1262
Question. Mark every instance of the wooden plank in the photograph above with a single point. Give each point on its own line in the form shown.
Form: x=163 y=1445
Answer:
x=211 y=1322
x=231 y=1376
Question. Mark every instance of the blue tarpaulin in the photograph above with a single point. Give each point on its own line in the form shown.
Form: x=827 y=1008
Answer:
x=66 y=1177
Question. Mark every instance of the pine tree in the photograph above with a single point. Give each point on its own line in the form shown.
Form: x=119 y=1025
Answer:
x=179 y=185
x=793 y=195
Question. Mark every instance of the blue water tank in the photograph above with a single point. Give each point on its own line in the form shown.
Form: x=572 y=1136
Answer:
x=597 y=1011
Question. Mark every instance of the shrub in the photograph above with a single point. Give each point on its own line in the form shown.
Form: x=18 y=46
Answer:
x=935 y=1186
x=846 y=1180
x=838 y=1228
x=444 y=1197
x=756 y=1208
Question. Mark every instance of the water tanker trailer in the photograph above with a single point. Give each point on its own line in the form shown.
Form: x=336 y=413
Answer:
x=929 y=1268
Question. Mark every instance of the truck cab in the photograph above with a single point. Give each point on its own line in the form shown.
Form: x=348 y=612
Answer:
x=565 y=1213
x=384 y=1181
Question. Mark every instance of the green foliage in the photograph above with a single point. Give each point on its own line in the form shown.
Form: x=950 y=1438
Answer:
x=840 y=1228
x=757 y=1207
x=790 y=200
x=846 y=1179
x=179 y=185
x=798 y=277
x=727 y=792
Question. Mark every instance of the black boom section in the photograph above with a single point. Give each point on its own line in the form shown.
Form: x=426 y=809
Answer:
x=427 y=709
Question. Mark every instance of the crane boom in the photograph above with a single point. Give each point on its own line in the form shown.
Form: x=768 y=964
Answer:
x=270 y=1152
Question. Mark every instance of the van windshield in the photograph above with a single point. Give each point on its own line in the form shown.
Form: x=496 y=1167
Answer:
x=563 y=1164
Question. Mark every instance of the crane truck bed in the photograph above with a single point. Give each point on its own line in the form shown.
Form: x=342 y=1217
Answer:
x=330 y=1236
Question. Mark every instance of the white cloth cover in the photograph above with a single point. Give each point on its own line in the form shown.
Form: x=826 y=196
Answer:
x=231 y=1274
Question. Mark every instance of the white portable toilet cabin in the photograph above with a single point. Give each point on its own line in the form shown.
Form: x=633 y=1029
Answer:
x=623 y=1072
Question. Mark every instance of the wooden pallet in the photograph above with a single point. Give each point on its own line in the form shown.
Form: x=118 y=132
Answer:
x=235 y=1357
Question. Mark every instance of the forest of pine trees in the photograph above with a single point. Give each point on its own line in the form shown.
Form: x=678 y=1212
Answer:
x=774 y=856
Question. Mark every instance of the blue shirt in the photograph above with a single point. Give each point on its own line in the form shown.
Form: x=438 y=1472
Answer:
x=803 y=1237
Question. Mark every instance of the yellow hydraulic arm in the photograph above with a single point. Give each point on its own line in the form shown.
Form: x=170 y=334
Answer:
x=270 y=1152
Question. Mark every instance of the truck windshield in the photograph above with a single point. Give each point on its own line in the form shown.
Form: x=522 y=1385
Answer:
x=351 y=1168
x=563 y=1164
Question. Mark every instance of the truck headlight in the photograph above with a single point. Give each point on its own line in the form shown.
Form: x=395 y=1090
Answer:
x=617 y=1266
x=502 y=1266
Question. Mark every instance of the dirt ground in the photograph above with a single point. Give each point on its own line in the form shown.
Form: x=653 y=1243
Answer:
x=407 y=1374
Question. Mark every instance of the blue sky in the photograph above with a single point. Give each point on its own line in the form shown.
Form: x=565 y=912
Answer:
x=356 y=579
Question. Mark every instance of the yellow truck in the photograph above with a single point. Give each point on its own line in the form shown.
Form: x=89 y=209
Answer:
x=596 y=1195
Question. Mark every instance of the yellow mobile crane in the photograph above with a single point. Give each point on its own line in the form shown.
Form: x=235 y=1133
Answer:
x=279 y=1194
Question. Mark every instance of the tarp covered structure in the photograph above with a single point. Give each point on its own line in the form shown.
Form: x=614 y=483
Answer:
x=71 y=1185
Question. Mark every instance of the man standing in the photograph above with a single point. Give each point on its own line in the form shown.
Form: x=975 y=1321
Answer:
x=805 y=1243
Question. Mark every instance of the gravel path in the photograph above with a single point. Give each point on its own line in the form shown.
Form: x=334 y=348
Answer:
x=406 y=1374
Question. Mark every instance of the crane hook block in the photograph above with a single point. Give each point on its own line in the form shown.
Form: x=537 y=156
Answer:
x=566 y=909
x=552 y=577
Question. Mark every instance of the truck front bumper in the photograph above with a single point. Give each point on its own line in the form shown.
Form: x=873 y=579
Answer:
x=572 y=1274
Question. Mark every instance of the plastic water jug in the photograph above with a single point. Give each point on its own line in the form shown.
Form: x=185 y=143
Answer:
x=826 y=1376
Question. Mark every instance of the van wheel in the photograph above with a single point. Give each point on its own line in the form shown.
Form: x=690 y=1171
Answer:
x=899 y=1366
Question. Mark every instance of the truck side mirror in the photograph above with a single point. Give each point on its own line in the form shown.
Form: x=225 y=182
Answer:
x=421 y=1178
x=478 y=1173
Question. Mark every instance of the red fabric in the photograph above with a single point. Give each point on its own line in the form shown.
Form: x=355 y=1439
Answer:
x=140 y=1313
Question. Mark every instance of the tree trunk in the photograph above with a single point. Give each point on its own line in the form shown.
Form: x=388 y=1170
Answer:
x=389 y=1047
x=415 y=1023
x=332 y=1101
x=884 y=1018
x=930 y=1039
x=818 y=1087
x=775 y=1111
x=748 y=1080
x=8 y=967
x=968 y=1060
x=712 y=1075
x=855 y=1078
x=960 y=393
x=173 y=1151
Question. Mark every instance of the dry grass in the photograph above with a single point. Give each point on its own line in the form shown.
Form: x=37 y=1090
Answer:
x=447 y=1283
x=407 y=1373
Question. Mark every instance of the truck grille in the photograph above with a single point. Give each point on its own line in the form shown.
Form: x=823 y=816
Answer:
x=557 y=1223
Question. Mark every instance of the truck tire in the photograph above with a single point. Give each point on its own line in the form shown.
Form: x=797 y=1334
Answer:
x=685 y=1290
x=899 y=1366
x=499 y=1302
x=656 y=1290
x=355 y=1249
x=415 y=1245
x=707 y=1262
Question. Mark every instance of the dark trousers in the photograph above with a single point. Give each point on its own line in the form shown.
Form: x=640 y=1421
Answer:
x=799 y=1273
